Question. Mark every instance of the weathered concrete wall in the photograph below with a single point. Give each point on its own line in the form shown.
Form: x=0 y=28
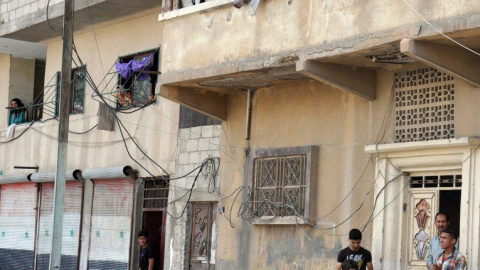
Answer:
x=154 y=128
x=16 y=9
x=22 y=78
x=4 y=86
x=341 y=124
x=194 y=146
x=18 y=14
x=289 y=26
x=312 y=114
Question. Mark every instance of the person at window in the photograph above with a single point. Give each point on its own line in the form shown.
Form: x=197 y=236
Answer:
x=442 y=221
x=18 y=112
x=349 y=265
x=124 y=97
x=450 y=258
x=147 y=253
x=355 y=252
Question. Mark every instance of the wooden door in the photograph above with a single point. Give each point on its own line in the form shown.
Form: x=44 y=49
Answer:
x=201 y=245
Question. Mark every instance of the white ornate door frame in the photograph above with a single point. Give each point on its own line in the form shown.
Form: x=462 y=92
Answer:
x=390 y=227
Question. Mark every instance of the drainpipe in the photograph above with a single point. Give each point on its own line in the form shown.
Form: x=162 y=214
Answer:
x=249 y=114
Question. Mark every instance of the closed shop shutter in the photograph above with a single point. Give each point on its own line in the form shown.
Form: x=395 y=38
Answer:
x=18 y=204
x=111 y=224
x=71 y=225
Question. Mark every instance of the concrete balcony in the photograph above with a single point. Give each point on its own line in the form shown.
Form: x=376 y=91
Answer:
x=26 y=19
x=230 y=50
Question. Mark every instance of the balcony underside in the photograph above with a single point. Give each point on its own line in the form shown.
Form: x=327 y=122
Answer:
x=34 y=27
x=353 y=71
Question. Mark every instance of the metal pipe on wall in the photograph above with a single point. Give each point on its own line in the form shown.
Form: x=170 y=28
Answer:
x=249 y=114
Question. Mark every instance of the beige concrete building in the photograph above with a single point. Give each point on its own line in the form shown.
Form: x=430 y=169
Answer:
x=331 y=115
x=336 y=115
x=124 y=167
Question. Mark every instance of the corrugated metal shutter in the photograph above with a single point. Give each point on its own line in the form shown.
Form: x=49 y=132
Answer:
x=18 y=204
x=111 y=224
x=71 y=225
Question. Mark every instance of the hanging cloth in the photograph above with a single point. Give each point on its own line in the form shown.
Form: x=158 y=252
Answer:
x=141 y=64
x=124 y=69
x=10 y=131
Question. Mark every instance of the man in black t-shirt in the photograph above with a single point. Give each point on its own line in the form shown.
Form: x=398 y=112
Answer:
x=147 y=254
x=355 y=252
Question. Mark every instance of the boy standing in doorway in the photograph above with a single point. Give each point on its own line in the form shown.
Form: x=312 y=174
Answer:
x=147 y=254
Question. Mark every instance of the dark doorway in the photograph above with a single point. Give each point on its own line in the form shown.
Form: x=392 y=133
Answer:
x=153 y=223
x=450 y=203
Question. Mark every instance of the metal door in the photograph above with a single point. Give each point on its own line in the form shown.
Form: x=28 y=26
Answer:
x=18 y=203
x=71 y=225
x=111 y=224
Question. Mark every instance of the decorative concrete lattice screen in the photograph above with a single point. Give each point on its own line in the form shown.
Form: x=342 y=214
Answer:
x=424 y=105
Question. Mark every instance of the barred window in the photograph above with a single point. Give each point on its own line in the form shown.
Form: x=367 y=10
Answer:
x=155 y=194
x=281 y=184
x=424 y=105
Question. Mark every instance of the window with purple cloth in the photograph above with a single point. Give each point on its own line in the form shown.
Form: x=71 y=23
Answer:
x=137 y=77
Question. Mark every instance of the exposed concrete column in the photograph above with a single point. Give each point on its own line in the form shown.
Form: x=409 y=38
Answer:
x=137 y=220
x=209 y=103
x=455 y=61
x=86 y=224
x=356 y=80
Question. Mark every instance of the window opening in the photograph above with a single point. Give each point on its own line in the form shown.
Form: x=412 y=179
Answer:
x=436 y=181
x=155 y=195
x=137 y=79
x=131 y=81
x=43 y=104
x=77 y=94
x=424 y=105
x=26 y=84
x=279 y=186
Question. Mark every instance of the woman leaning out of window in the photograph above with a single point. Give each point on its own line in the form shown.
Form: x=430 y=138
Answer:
x=18 y=113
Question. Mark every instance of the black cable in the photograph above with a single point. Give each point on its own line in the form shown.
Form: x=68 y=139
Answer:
x=91 y=82
x=25 y=130
x=48 y=19
x=83 y=132
x=378 y=195
x=119 y=122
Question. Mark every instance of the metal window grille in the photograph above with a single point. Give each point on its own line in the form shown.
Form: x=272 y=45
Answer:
x=155 y=194
x=78 y=90
x=279 y=186
x=436 y=181
x=424 y=105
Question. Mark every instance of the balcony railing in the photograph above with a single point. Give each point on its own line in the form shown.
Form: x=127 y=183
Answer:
x=44 y=105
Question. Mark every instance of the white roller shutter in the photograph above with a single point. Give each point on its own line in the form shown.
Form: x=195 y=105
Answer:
x=71 y=225
x=111 y=224
x=18 y=204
